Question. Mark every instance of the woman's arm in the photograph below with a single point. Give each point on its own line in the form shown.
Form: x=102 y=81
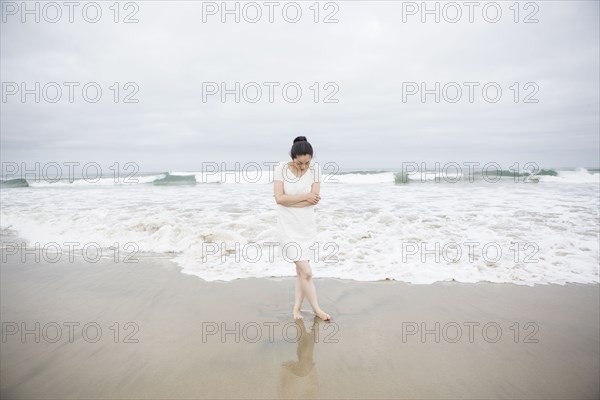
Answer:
x=302 y=203
x=315 y=188
x=286 y=199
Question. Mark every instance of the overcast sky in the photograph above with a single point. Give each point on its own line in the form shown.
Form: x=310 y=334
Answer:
x=368 y=56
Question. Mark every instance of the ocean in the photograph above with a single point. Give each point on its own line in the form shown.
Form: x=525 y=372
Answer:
x=373 y=224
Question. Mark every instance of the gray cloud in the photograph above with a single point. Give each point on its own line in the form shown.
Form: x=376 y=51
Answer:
x=368 y=54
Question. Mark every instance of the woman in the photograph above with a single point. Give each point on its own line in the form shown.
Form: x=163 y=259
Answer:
x=297 y=184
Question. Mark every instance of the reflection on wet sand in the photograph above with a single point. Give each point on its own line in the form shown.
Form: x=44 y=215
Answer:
x=298 y=379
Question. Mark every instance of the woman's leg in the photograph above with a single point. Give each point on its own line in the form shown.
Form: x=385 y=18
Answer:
x=305 y=282
x=299 y=297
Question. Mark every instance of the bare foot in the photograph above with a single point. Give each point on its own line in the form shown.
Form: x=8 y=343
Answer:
x=297 y=314
x=323 y=315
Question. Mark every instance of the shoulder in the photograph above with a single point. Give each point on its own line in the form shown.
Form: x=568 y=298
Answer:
x=315 y=170
x=315 y=167
x=278 y=171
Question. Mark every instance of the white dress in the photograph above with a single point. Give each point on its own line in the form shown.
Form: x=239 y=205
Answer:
x=297 y=226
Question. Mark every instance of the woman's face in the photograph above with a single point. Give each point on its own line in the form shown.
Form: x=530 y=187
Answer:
x=302 y=162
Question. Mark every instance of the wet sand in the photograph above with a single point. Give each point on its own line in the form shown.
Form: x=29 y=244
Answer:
x=160 y=337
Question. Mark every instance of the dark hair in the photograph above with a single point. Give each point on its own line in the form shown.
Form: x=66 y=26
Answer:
x=301 y=147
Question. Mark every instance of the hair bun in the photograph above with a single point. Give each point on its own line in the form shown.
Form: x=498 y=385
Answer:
x=300 y=139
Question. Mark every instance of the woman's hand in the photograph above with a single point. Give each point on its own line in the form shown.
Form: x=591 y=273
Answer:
x=312 y=198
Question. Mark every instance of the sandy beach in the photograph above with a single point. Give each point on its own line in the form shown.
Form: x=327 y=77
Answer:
x=437 y=162
x=124 y=330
